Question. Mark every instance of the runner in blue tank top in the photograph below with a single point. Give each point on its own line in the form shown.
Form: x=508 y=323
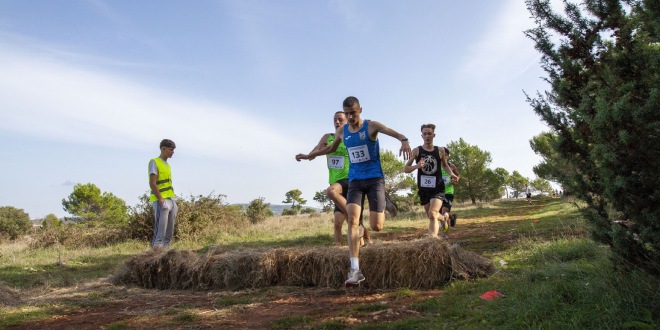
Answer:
x=338 y=168
x=365 y=174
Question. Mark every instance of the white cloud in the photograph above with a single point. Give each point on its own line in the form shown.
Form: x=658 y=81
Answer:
x=53 y=99
x=503 y=52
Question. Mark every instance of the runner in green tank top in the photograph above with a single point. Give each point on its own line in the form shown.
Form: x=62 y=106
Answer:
x=338 y=163
x=449 y=190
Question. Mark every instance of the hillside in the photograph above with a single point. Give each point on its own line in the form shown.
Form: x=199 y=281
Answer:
x=277 y=209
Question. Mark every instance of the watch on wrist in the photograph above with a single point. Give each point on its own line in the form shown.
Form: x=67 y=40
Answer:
x=405 y=139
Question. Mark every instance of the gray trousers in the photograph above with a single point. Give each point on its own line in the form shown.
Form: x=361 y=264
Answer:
x=165 y=217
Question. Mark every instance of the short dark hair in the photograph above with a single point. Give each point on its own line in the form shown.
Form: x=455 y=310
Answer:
x=446 y=150
x=167 y=143
x=342 y=112
x=349 y=101
x=431 y=126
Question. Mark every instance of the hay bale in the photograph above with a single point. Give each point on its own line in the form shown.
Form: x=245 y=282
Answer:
x=426 y=263
x=469 y=265
x=167 y=269
x=8 y=296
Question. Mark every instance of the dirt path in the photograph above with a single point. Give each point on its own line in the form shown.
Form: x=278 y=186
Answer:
x=100 y=305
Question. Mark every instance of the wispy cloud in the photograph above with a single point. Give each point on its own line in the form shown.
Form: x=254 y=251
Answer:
x=125 y=28
x=57 y=100
x=503 y=52
x=352 y=17
x=256 y=26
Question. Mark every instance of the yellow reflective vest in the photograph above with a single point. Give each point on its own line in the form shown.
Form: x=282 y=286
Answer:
x=164 y=180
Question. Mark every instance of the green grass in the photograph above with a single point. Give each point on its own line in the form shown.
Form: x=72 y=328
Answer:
x=553 y=275
x=562 y=284
x=233 y=300
x=290 y=322
x=60 y=267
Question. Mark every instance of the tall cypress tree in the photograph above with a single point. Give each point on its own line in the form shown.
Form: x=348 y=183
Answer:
x=603 y=64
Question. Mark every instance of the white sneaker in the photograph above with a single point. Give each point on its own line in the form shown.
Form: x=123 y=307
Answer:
x=354 y=278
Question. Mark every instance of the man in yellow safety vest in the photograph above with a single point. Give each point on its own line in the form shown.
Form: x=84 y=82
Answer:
x=162 y=195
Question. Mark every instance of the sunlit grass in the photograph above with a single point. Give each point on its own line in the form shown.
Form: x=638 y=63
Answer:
x=59 y=266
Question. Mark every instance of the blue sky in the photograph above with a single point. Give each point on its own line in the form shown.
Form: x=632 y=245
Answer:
x=88 y=88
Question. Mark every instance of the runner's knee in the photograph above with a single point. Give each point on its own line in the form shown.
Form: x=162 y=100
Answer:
x=332 y=191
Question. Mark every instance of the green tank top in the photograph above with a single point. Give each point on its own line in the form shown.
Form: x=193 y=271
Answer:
x=449 y=187
x=337 y=162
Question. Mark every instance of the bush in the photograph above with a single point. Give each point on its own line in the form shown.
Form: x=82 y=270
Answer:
x=49 y=221
x=75 y=236
x=289 y=212
x=13 y=222
x=308 y=210
x=257 y=211
x=196 y=216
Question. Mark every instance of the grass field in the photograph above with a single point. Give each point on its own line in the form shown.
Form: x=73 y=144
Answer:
x=551 y=274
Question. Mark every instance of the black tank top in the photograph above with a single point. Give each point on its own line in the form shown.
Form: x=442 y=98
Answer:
x=429 y=177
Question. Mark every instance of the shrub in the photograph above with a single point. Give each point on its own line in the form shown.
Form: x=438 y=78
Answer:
x=257 y=211
x=196 y=215
x=13 y=222
x=289 y=212
x=199 y=214
x=81 y=235
x=50 y=220
x=308 y=210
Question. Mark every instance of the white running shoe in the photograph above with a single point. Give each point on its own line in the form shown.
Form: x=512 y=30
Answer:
x=354 y=278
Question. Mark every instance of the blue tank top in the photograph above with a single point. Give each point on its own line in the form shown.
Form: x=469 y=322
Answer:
x=363 y=154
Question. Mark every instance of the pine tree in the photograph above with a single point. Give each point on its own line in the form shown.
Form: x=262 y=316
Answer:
x=604 y=107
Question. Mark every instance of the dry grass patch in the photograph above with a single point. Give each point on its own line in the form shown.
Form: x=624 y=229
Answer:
x=420 y=264
x=8 y=296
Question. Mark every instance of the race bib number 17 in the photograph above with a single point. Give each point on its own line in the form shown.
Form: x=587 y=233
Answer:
x=358 y=154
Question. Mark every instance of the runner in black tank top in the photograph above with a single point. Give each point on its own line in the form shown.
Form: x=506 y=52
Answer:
x=430 y=159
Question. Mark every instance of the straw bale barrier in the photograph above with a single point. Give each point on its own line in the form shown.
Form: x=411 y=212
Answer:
x=426 y=263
